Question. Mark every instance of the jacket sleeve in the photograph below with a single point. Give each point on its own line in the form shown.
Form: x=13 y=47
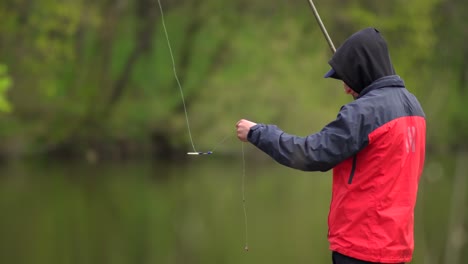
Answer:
x=339 y=140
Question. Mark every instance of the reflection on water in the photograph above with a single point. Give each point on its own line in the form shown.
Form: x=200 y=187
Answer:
x=146 y=212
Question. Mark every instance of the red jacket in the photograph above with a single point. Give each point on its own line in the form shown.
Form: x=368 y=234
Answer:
x=376 y=147
x=374 y=194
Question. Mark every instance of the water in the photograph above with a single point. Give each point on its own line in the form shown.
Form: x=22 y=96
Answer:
x=147 y=212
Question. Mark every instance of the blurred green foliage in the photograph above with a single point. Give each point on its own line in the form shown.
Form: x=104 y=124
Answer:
x=5 y=83
x=97 y=77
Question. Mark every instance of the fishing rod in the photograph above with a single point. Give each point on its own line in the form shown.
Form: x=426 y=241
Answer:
x=322 y=26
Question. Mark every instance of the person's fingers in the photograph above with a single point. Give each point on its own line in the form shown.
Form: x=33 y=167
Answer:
x=241 y=130
x=240 y=121
x=239 y=135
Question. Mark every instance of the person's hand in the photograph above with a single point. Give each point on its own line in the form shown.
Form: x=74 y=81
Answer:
x=243 y=128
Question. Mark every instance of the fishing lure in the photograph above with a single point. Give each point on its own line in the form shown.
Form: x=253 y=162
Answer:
x=200 y=153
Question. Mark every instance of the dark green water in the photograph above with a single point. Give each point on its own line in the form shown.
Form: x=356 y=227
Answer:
x=147 y=212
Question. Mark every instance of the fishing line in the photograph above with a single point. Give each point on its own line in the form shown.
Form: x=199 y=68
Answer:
x=178 y=83
x=195 y=152
x=243 y=200
x=221 y=142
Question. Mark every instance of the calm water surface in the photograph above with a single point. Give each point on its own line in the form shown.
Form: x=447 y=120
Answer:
x=149 y=212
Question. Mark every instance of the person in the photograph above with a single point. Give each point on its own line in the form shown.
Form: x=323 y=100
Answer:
x=376 y=148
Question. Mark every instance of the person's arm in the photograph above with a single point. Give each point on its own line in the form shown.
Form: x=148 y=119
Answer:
x=322 y=151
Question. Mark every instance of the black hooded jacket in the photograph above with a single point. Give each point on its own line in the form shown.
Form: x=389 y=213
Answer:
x=362 y=59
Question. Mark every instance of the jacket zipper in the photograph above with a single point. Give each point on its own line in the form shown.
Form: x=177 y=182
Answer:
x=353 y=168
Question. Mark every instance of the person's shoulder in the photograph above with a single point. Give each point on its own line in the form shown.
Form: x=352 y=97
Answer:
x=352 y=110
x=364 y=108
x=360 y=104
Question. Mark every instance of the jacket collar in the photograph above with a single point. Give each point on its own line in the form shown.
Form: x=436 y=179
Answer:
x=384 y=82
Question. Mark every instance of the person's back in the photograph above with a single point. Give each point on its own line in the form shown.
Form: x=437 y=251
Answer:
x=374 y=191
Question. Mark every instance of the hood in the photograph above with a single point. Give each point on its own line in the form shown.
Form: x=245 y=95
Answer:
x=362 y=59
